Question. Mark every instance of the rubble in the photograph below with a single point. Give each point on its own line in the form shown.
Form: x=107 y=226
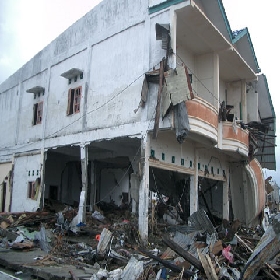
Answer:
x=108 y=246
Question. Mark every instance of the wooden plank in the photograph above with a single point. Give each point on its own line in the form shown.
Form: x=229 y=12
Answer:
x=208 y=266
x=161 y=78
x=167 y=264
x=190 y=258
x=189 y=82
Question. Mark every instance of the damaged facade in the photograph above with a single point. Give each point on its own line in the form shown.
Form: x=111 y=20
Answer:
x=139 y=102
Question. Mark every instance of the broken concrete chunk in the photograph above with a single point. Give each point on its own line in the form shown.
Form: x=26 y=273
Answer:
x=98 y=216
x=105 y=238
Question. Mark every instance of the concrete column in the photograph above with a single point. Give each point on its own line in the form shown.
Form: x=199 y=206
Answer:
x=243 y=101
x=216 y=89
x=226 y=199
x=144 y=190
x=216 y=75
x=92 y=199
x=173 y=35
x=42 y=175
x=246 y=197
x=83 y=195
x=194 y=185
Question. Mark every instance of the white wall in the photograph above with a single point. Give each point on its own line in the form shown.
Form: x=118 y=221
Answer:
x=252 y=104
x=204 y=65
x=112 y=90
x=5 y=169
x=234 y=97
x=9 y=106
x=168 y=145
x=27 y=131
x=24 y=165
x=57 y=97
x=222 y=91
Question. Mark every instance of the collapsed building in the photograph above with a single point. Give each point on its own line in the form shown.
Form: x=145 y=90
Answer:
x=138 y=103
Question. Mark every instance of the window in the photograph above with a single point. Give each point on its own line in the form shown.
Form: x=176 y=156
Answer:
x=74 y=100
x=37 y=113
x=31 y=190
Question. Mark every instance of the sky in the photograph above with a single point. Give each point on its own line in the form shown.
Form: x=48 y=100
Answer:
x=27 y=26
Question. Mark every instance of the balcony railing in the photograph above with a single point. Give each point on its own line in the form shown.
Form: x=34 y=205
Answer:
x=203 y=118
x=235 y=139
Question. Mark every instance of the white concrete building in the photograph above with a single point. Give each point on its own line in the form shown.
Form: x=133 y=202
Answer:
x=140 y=96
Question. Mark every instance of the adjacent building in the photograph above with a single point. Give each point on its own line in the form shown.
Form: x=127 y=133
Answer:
x=140 y=97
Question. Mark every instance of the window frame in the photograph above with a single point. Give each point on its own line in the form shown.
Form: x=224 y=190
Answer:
x=74 y=101
x=31 y=190
x=38 y=112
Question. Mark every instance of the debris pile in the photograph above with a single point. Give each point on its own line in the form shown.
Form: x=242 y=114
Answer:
x=108 y=245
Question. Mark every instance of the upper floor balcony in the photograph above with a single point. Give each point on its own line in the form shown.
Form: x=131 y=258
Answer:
x=203 y=118
x=235 y=138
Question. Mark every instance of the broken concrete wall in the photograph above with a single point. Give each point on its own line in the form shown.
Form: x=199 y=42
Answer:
x=26 y=170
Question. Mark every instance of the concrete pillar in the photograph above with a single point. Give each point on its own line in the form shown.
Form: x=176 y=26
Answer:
x=216 y=80
x=243 y=108
x=226 y=199
x=144 y=190
x=173 y=35
x=194 y=186
x=42 y=175
x=83 y=195
x=247 y=203
x=92 y=199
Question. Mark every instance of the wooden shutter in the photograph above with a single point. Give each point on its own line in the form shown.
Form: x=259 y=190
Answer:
x=34 y=120
x=40 y=112
x=71 y=93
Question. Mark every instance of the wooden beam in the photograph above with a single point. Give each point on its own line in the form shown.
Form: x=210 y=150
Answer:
x=167 y=264
x=161 y=78
x=179 y=250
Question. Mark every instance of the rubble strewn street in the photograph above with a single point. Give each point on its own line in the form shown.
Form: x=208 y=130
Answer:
x=50 y=245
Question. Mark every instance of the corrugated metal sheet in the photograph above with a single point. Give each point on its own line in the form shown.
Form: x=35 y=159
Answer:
x=266 y=151
x=201 y=221
x=132 y=270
